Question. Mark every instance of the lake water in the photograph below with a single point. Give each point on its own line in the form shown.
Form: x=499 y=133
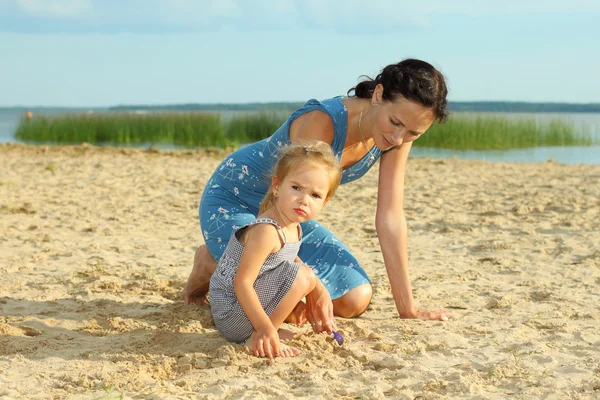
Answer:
x=588 y=123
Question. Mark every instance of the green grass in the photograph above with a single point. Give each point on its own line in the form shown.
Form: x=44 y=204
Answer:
x=250 y=128
x=109 y=393
x=501 y=133
x=209 y=130
x=184 y=129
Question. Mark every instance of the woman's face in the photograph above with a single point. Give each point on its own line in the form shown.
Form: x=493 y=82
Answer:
x=397 y=122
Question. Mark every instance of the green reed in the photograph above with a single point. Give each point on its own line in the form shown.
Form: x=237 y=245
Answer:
x=183 y=129
x=250 y=128
x=501 y=133
x=191 y=129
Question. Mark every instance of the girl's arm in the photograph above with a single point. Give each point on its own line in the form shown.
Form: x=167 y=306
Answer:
x=319 y=307
x=260 y=241
x=392 y=231
x=316 y=125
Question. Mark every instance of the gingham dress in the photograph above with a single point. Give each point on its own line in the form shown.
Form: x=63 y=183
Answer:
x=273 y=282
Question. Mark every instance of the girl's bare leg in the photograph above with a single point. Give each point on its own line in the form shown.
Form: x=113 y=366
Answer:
x=305 y=283
x=196 y=288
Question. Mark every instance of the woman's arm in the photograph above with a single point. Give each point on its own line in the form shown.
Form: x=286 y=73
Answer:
x=314 y=125
x=392 y=231
x=260 y=241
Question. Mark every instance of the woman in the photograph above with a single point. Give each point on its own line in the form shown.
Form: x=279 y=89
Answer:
x=380 y=120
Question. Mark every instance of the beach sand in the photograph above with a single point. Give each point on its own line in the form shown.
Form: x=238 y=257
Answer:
x=96 y=244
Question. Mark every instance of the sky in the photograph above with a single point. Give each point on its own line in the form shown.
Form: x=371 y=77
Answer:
x=85 y=53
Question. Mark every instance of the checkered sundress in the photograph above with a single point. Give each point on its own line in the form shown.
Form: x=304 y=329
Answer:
x=272 y=283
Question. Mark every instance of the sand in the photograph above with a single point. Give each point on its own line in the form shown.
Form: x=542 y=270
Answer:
x=96 y=244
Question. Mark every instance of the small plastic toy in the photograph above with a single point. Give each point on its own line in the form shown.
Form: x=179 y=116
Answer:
x=338 y=337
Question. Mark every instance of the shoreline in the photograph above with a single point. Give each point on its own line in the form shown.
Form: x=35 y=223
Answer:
x=97 y=242
x=588 y=155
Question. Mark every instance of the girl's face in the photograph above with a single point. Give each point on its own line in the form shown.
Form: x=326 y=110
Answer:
x=301 y=195
x=397 y=122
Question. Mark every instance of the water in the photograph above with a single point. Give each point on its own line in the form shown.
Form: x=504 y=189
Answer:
x=563 y=155
x=584 y=122
x=9 y=119
x=588 y=123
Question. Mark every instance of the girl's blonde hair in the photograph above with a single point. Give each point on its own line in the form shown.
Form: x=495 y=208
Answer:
x=292 y=156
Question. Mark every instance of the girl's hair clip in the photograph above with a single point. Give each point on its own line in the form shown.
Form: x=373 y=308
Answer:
x=307 y=149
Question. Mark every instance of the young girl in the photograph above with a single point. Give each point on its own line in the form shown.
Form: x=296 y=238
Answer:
x=258 y=283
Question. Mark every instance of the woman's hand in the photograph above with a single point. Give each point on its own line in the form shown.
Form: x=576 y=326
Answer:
x=265 y=342
x=427 y=315
x=319 y=309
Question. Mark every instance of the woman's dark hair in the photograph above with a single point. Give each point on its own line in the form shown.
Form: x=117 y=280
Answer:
x=412 y=79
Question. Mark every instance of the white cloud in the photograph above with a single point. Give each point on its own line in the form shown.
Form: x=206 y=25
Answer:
x=320 y=11
x=475 y=7
x=385 y=13
x=402 y=9
x=345 y=15
x=194 y=8
x=225 y=8
x=278 y=6
x=57 y=8
x=195 y=14
x=360 y=14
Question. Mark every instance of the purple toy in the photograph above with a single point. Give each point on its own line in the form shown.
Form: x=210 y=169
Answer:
x=338 y=338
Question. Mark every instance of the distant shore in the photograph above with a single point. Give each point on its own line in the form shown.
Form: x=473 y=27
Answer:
x=455 y=106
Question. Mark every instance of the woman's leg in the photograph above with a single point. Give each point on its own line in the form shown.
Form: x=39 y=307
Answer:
x=218 y=220
x=196 y=287
x=353 y=303
x=338 y=269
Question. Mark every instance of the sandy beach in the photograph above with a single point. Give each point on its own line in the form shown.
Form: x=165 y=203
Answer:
x=97 y=243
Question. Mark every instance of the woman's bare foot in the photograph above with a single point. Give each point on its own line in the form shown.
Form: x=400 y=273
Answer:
x=285 y=334
x=196 y=288
x=284 y=349
x=298 y=315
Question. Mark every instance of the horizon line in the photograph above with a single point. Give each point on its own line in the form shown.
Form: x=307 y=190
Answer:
x=20 y=106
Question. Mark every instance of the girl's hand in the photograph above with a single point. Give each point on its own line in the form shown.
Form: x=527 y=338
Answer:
x=265 y=342
x=428 y=315
x=319 y=309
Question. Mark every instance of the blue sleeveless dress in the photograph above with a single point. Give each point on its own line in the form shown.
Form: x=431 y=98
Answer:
x=232 y=197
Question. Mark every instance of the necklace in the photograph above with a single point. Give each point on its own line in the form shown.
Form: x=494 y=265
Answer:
x=372 y=157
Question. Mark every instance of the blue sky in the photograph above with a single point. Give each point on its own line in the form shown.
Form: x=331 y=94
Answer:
x=108 y=52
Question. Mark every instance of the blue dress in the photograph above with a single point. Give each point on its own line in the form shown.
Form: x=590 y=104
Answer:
x=232 y=197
